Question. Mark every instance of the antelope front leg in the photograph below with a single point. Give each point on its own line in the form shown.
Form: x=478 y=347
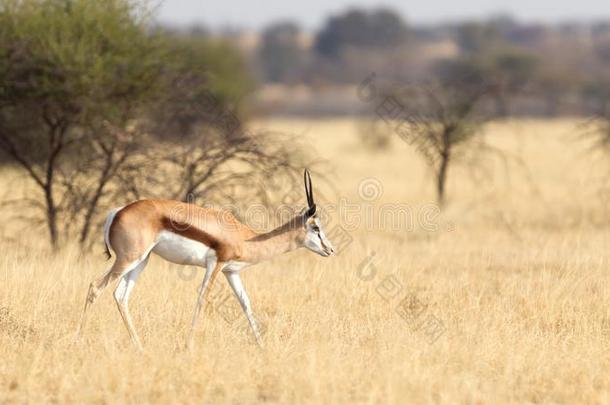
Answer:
x=240 y=292
x=213 y=266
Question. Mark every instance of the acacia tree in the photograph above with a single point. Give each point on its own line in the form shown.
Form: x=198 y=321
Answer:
x=443 y=115
x=64 y=67
x=85 y=86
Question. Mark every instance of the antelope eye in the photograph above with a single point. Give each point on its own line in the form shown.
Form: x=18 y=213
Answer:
x=315 y=228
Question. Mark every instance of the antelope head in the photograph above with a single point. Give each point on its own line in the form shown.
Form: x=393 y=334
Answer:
x=315 y=238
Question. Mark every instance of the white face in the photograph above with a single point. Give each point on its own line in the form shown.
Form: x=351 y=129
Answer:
x=316 y=240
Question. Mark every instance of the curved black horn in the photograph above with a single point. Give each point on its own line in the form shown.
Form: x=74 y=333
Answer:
x=308 y=188
x=309 y=193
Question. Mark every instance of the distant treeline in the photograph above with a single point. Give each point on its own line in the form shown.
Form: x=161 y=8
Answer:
x=536 y=69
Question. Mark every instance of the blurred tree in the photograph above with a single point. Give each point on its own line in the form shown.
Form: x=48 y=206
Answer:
x=212 y=167
x=506 y=71
x=441 y=116
x=596 y=129
x=510 y=71
x=202 y=80
x=357 y=28
x=475 y=37
x=281 y=54
x=595 y=81
x=596 y=92
x=552 y=83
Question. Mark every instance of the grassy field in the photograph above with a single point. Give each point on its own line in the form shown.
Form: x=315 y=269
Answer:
x=502 y=298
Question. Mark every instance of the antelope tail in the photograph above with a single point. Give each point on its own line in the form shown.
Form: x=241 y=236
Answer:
x=107 y=226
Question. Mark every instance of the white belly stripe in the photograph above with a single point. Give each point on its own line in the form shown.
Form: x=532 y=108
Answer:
x=178 y=249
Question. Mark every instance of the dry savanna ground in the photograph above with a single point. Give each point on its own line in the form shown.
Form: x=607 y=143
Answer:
x=502 y=298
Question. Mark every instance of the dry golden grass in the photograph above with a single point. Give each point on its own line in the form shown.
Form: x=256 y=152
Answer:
x=517 y=273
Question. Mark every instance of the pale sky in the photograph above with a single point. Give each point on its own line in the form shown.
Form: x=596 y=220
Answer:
x=311 y=13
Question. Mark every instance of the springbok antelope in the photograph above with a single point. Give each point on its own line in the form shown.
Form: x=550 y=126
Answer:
x=186 y=234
